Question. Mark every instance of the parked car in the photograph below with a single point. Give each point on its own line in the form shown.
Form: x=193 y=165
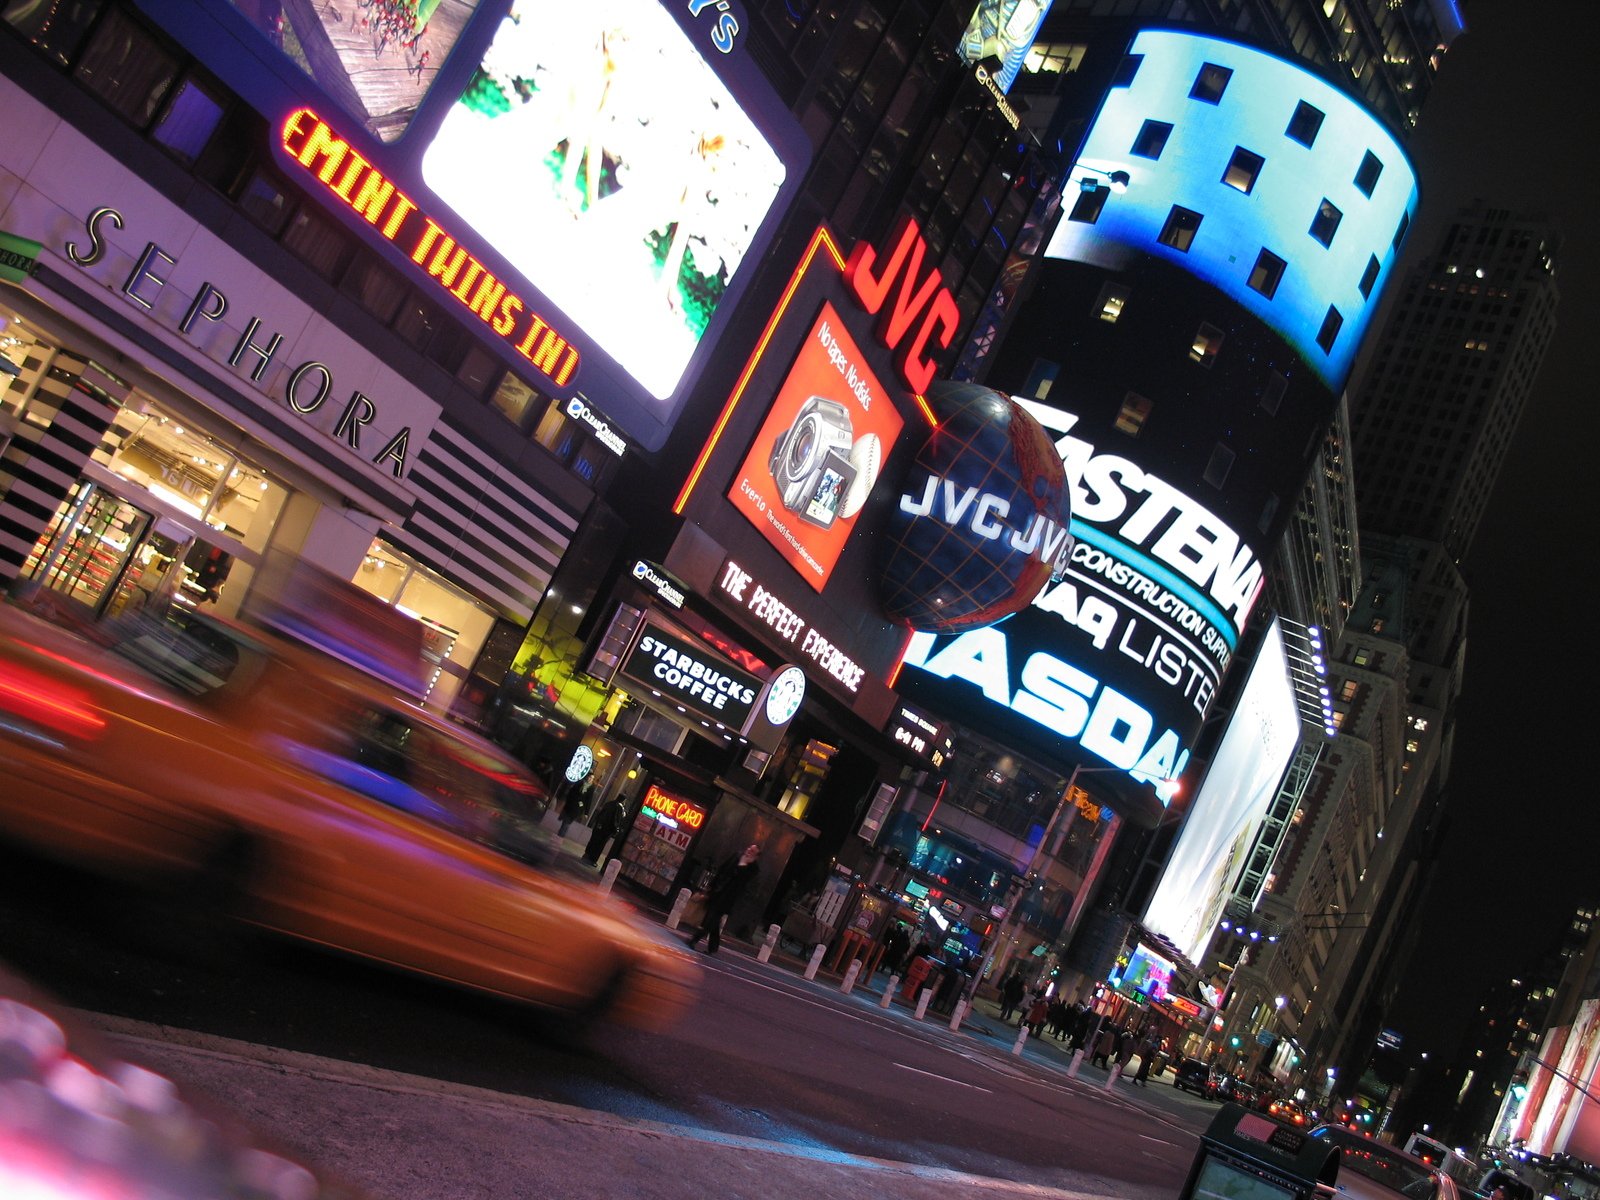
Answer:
x=242 y=773
x=1372 y=1170
x=1192 y=1075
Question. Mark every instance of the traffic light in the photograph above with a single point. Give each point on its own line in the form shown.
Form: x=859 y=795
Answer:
x=1234 y=1041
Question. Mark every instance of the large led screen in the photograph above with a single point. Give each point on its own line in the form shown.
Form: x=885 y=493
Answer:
x=819 y=451
x=1231 y=802
x=597 y=150
x=376 y=57
x=1003 y=30
x=1123 y=655
x=587 y=186
x=1297 y=198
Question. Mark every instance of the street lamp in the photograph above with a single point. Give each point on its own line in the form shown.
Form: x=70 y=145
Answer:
x=1165 y=790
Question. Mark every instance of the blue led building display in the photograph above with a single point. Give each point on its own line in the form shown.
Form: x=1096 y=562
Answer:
x=1254 y=175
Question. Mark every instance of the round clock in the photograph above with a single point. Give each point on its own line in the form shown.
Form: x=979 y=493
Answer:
x=784 y=696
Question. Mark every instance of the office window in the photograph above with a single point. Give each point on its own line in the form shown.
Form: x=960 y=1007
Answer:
x=1329 y=333
x=1326 y=223
x=1369 y=278
x=1109 y=306
x=376 y=288
x=1207 y=344
x=1132 y=415
x=1179 y=231
x=317 y=242
x=1088 y=205
x=1126 y=70
x=1152 y=139
x=1040 y=379
x=1267 y=273
x=1367 y=175
x=515 y=399
x=126 y=67
x=192 y=116
x=1305 y=124
x=1242 y=170
x=1272 y=394
x=54 y=28
x=1400 y=231
x=1217 y=468
x=1210 y=83
x=266 y=200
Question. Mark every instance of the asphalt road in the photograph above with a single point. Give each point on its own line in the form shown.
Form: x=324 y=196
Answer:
x=773 y=1086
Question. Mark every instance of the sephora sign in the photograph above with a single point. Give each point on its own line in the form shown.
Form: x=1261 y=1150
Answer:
x=1121 y=655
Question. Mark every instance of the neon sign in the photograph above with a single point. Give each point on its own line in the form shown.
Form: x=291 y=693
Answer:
x=926 y=304
x=691 y=816
x=356 y=184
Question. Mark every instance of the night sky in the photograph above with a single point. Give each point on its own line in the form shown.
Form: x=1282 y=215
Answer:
x=1513 y=120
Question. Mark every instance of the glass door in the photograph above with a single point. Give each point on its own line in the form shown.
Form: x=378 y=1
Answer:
x=85 y=551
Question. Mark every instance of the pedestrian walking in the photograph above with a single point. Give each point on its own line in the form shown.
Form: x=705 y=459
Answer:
x=605 y=825
x=1012 y=990
x=895 y=946
x=1104 y=1047
x=1125 y=1050
x=1147 y=1054
x=575 y=804
x=1037 y=1012
x=730 y=882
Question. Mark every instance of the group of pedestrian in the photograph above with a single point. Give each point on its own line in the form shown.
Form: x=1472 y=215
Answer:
x=1120 y=1044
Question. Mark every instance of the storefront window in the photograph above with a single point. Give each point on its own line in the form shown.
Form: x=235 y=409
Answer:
x=454 y=625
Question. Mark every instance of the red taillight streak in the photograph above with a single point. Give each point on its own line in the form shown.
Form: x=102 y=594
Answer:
x=40 y=699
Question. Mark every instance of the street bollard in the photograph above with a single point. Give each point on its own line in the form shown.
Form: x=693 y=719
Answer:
x=609 y=876
x=1022 y=1036
x=849 y=983
x=888 y=992
x=816 y=960
x=678 y=906
x=772 y=940
x=1113 y=1075
x=1077 y=1061
x=955 y=1017
x=922 y=1002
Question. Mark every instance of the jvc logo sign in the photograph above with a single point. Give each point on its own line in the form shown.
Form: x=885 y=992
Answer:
x=920 y=303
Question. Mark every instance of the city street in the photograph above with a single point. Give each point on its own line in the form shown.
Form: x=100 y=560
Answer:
x=773 y=1086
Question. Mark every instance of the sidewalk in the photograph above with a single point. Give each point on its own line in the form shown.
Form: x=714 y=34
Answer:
x=981 y=1021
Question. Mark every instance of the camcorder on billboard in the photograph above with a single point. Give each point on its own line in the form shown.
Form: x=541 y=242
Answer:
x=590 y=182
x=818 y=453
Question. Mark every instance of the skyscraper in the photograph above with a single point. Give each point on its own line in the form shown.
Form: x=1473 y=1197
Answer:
x=1451 y=376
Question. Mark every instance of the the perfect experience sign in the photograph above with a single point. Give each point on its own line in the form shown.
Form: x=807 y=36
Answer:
x=1123 y=655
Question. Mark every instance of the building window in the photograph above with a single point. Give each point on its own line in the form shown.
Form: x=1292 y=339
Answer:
x=1362 y=657
x=1272 y=395
x=1369 y=278
x=1210 y=83
x=318 y=243
x=1400 y=231
x=1112 y=298
x=1367 y=175
x=1180 y=228
x=1041 y=378
x=1206 y=345
x=515 y=399
x=1126 y=70
x=1347 y=690
x=1305 y=124
x=192 y=116
x=477 y=370
x=1242 y=170
x=1329 y=333
x=1132 y=415
x=376 y=288
x=1152 y=139
x=127 y=68
x=54 y=28
x=1326 y=223
x=1267 y=273
x=1089 y=203
x=266 y=201
x=1221 y=462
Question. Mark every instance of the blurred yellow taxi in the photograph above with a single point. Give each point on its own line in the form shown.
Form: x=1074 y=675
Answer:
x=266 y=780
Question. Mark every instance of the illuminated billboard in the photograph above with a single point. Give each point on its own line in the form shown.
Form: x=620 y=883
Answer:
x=1146 y=972
x=592 y=183
x=818 y=453
x=1122 y=656
x=1003 y=30
x=1232 y=800
x=599 y=152
x=1255 y=175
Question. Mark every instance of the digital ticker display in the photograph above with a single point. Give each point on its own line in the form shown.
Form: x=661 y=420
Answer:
x=588 y=186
